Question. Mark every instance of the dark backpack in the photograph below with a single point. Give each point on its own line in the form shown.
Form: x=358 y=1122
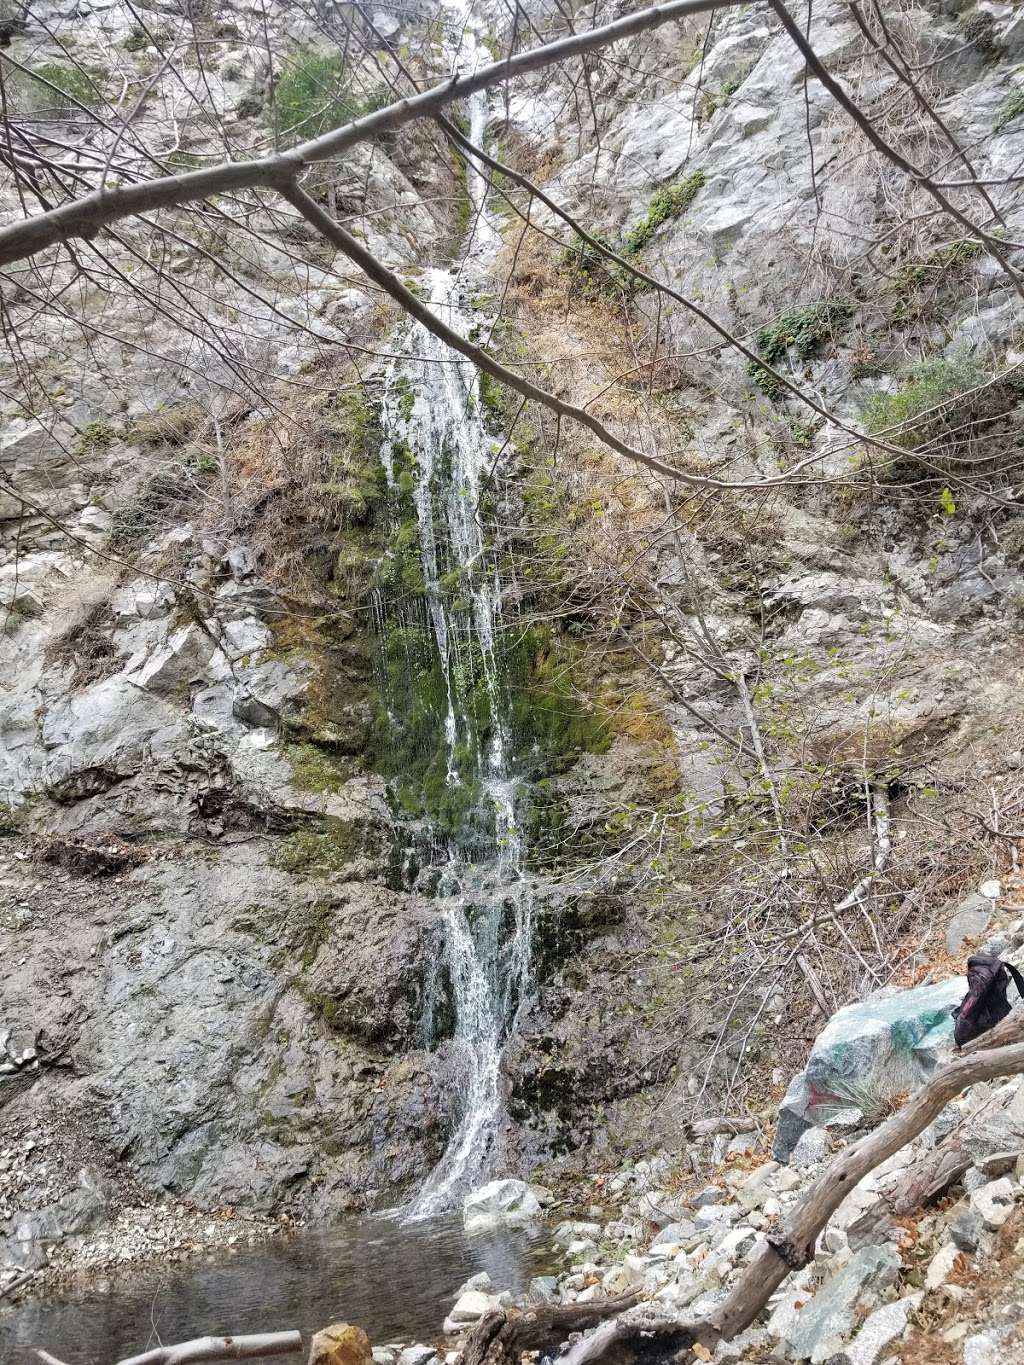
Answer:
x=985 y=1003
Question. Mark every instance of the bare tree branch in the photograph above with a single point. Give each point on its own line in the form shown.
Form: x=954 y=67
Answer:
x=84 y=217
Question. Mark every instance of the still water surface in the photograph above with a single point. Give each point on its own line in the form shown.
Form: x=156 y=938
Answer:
x=396 y=1281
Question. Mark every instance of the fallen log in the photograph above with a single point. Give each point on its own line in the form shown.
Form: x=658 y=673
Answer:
x=220 y=1348
x=791 y=1246
x=920 y=1184
x=208 y=1348
x=712 y=1127
x=501 y=1336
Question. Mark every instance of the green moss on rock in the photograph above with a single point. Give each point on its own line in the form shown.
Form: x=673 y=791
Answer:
x=669 y=202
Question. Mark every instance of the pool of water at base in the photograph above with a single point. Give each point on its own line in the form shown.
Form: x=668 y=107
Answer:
x=395 y=1280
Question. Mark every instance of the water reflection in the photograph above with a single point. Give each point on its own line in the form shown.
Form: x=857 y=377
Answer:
x=395 y=1280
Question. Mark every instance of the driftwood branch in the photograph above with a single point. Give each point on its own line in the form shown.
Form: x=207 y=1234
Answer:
x=220 y=1348
x=792 y=1246
x=920 y=1185
x=699 y=1128
x=212 y=1348
x=501 y=1337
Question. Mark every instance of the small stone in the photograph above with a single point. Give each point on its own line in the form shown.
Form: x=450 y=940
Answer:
x=482 y=1283
x=568 y=1232
x=942 y=1265
x=417 y=1355
x=543 y=1289
x=677 y=1233
x=507 y=1202
x=468 y=1308
x=988 y=1348
x=811 y=1148
x=994 y=1202
x=712 y=1194
x=713 y=1215
x=991 y=890
x=825 y=1322
x=966 y=1232
x=756 y=1188
x=969 y=923
x=880 y=1330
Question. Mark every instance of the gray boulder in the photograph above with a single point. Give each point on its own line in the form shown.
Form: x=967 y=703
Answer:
x=866 y=1053
x=824 y=1323
x=989 y=1348
x=543 y=1289
x=508 y=1202
x=73 y=1215
x=882 y=1329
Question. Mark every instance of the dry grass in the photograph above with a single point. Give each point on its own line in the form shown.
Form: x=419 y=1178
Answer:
x=79 y=630
x=988 y=1284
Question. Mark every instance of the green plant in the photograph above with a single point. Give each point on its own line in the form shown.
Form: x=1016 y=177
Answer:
x=315 y=769
x=590 y=271
x=805 y=329
x=54 y=85
x=315 y=93
x=669 y=202
x=137 y=40
x=979 y=29
x=146 y=512
x=96 y=437
x=317 y=853
x=929 y=384
x=251 y=103
x=171 y=426
x=1013 y=108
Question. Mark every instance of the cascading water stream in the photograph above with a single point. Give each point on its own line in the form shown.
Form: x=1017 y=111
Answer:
x=432 y=412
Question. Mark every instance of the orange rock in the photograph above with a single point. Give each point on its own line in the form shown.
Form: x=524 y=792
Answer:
x=341 y=1344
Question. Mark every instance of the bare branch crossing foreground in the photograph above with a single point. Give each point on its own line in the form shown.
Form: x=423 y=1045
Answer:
x=83 y=218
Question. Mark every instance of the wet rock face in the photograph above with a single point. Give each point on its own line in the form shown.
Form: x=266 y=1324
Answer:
x=183 y=1011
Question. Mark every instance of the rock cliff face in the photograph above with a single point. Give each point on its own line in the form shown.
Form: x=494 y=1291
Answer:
x=188 y=665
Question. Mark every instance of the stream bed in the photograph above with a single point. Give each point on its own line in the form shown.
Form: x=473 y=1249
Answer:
x=395 y=1280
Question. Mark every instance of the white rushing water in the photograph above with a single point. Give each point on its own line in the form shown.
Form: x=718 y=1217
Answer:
x=432 y=408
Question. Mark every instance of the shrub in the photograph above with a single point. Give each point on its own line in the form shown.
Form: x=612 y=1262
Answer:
x=929 y=384
x=147 y=513
x=314 y=94
x=669 y=202
x=1013 y=108
x=979 y=29
x=171 y=426
x=590 y=271
x=73 y=84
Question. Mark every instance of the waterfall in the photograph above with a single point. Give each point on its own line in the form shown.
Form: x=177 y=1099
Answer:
x=433 y=427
